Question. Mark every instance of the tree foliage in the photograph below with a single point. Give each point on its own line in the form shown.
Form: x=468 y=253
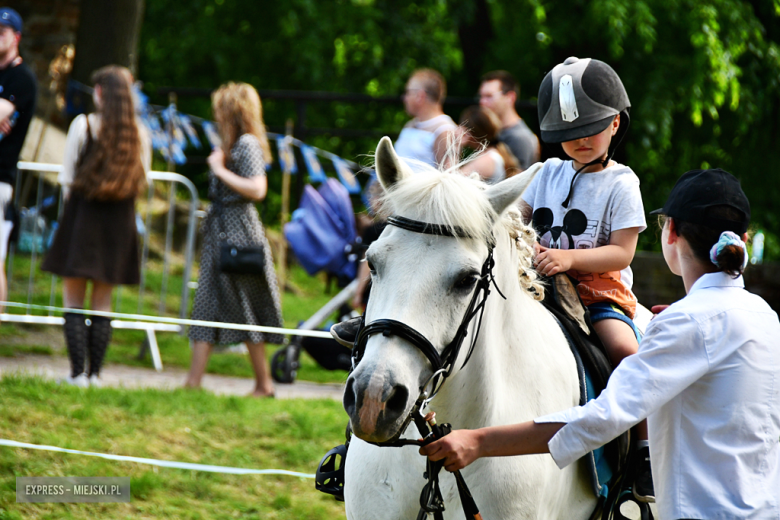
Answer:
x=703 y=76
x=341 y=46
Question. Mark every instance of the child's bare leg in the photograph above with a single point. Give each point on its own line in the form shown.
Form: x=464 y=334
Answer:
x=619 y=340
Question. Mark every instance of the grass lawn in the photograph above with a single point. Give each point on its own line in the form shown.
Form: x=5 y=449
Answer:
x=186 y=426
x=18 y=339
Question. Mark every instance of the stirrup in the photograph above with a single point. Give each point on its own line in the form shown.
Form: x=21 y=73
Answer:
x=330 y=473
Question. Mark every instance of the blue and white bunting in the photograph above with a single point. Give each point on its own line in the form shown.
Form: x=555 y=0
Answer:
x=189 y=129
x=211 y=134
x=173 y=126
x=316 y=173
x=172 y=132
x=286 y=155
x=159 y=137
x=345 y=174
x=174 y=153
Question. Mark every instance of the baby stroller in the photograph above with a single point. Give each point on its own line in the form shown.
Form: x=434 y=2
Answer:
x=322 y=236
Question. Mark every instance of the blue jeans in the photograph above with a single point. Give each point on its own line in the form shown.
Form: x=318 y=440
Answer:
x=609 y=311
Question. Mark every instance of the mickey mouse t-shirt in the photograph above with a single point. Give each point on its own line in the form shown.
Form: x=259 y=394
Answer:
x=601 y=203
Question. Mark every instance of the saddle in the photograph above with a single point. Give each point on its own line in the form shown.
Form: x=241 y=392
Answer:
x=611 y=467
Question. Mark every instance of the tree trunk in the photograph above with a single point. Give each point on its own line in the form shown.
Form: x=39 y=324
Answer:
x=475 y=34
x=107 y=35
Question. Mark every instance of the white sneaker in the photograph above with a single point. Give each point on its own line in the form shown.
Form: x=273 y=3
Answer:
x=80 y=380
x=95 y=381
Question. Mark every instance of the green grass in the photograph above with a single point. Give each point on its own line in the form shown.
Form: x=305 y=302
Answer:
x=14 y=350
x=187 y=426
x=174 y=349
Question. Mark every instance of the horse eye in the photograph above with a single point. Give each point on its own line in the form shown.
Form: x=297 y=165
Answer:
x=467 y=282
x=371 y=266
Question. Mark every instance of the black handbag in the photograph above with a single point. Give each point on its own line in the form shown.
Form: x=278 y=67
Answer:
x=241 y=260
x=236 y=259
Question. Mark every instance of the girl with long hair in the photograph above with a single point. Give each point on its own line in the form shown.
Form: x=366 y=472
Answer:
x=107 y=156
x=481 y=128
x=236 y=181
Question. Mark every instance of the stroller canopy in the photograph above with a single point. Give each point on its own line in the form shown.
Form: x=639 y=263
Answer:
x=322 y=229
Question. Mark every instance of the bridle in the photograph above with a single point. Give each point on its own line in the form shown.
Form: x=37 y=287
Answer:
x=441 y=364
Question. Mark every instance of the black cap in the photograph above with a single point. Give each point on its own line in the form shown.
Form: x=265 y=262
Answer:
x=698 y=190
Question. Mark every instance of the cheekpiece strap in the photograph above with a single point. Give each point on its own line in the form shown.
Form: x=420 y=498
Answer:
x=424 y=227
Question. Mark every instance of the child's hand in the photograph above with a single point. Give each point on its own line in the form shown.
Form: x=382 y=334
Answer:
x=552 y=261
x=658 y=309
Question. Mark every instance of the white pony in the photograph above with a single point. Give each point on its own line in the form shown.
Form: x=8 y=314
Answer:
x=521 y=366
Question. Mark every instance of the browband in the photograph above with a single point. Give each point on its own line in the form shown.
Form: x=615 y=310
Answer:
x=426 y=228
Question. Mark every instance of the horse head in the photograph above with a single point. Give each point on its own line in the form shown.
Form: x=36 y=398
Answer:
x=423 y=280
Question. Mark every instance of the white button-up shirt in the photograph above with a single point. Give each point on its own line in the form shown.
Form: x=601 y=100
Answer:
x=707 y=378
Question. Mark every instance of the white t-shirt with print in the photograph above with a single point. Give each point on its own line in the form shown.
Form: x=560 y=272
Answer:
x=601 y=203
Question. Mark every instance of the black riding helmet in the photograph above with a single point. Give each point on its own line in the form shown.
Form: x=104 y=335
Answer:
x=580 y=98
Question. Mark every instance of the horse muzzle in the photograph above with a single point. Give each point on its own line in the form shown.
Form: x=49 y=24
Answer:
x=377 y=403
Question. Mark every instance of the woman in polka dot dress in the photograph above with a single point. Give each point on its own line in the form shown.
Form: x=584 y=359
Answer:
x=234 y=186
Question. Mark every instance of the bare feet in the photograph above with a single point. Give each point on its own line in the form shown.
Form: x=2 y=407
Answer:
x=263 y=392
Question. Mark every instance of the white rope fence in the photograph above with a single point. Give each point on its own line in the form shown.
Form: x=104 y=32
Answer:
x=173 y=321
x=155 y=462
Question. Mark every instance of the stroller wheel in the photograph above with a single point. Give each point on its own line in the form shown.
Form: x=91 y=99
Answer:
x=284 y=363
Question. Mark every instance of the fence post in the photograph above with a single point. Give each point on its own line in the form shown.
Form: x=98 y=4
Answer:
x=285 y=208
x=171 y=204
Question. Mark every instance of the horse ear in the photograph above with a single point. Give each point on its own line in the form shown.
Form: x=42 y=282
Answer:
x=389 y=167
x=506 y=192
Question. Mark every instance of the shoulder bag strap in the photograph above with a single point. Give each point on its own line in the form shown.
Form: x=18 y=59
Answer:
x=83 y=152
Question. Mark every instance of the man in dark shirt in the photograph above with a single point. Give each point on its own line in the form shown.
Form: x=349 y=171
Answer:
x=17 y=103
x=499 y=92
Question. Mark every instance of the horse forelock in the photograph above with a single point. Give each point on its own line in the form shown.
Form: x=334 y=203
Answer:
x=449 y=198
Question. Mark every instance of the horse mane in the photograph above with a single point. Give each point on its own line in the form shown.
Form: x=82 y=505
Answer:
x=449 y=198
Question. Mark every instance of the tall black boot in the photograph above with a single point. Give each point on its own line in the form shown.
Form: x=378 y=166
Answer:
x=99 y=338
x=76 y=338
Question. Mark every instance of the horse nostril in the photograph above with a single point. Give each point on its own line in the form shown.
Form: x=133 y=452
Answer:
x=396 y=402
x=350 y=398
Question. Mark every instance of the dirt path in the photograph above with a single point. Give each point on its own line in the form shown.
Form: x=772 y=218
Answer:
x=114 y=375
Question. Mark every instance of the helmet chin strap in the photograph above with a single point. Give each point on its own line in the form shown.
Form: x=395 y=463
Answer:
x=603 y=163
x=621 y=133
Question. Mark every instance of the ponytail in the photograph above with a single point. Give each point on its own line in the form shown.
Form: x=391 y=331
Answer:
x=729 y=254
x=724 y=249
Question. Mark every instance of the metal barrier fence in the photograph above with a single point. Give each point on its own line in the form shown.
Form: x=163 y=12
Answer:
x=36 y=236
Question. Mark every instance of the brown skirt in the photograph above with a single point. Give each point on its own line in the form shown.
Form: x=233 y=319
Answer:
x=96 y=240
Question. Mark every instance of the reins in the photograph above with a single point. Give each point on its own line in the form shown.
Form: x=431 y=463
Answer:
x=442 y=365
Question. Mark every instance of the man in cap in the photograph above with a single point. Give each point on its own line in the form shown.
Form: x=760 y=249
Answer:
x=18 y=90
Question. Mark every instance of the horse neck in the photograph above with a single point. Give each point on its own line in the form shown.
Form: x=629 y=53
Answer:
x=478 y=393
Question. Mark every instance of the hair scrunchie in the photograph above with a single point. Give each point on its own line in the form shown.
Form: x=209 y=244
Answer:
x=728 y=238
